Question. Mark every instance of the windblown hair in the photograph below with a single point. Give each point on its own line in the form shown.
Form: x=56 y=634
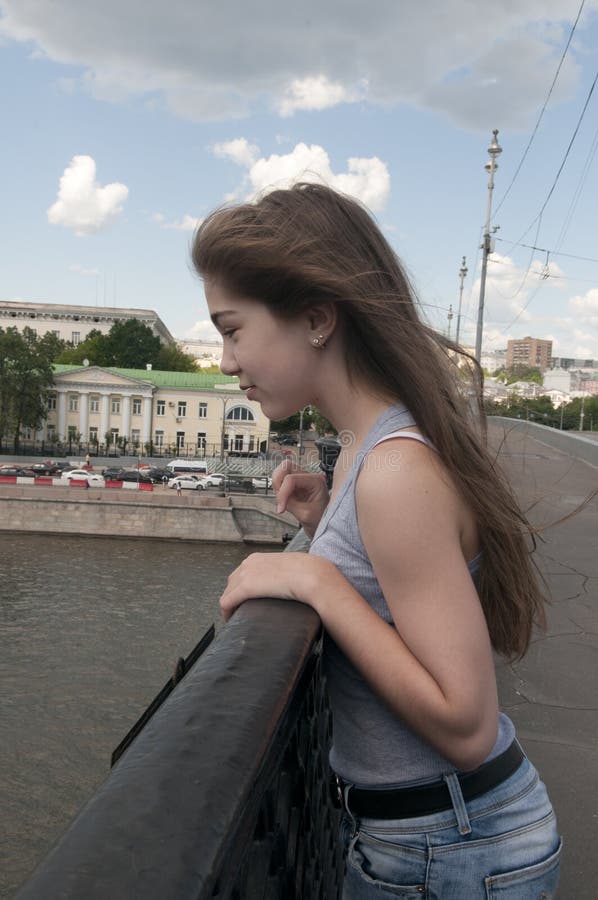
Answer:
x=308 y=244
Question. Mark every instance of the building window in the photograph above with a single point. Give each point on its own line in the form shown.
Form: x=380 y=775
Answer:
x=203 y=410
x=76 y=338
x=73 y=403
x=238 y=442
x=159 y=438
x=136 y=407
x=225 y=442
x=201 y=440
x=72 y=433
x=251 y=443
x=160 y=410
x=94 y=404
x=93 y=435
x=116 y=406
x=55 y=332
x=51 y=432
x=113 y=436
x=51 y=402
x=180 y=440
x=182 y=409
x=240 y=414
x=135 y=435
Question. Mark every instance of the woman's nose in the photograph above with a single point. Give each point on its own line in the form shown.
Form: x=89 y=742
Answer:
x=228 y=365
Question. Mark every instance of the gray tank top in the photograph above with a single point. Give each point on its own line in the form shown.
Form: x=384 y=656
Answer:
x=371 y=745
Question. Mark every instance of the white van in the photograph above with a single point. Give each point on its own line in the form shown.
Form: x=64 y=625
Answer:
x=188 y=466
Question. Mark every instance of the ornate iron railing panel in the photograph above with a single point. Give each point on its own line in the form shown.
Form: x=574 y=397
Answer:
x=224 y=794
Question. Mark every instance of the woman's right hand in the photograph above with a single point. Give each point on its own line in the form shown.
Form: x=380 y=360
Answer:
x=304 y=494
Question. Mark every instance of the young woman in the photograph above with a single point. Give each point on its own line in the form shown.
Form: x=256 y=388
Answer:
x=418 y=564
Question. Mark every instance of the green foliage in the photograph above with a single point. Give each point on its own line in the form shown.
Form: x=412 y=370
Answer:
x=128 y=345
x=171 y=358
x=524 y=373
x=26 y=376
x=540 y=410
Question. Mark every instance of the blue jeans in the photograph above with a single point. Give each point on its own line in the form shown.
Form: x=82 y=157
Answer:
x=503 y=845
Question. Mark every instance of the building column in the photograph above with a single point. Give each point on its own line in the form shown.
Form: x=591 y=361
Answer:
x=61 y=413
x=104 y=416
x=126 y=416
x=84 y=415
x=146 y=421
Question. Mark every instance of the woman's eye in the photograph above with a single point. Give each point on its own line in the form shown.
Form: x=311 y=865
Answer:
x=228 y=332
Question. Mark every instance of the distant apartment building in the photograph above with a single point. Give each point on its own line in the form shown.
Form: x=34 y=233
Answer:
x=205 y=353
x=567 y=362
x=529 y=352
x=491 y=360
x=558 y=379
x=73 y=323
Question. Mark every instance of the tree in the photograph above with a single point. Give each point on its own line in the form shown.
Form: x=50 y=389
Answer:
x=171 y=358
x=128 y=345
x=26 y=377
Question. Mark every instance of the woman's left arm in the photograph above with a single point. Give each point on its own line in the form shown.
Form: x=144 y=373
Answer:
x=435 y=668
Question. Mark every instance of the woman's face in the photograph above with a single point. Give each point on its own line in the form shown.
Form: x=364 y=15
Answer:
x=274 y=358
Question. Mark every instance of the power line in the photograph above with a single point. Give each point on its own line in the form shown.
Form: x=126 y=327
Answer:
x=562 y=165
x=543 y=110
x=551 y=252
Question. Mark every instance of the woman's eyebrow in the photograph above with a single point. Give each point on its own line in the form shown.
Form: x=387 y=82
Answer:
x=215 y=317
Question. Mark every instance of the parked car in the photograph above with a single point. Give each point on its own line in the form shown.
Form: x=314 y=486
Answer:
x=215 y=479
x=157 y=475
x=46 y=468
x=112 y=473
x=187 y=483
x=137 y=475
x=92 y=479
x=236 y=484
x=284 y=439
x=19 y=471
x=262 y=481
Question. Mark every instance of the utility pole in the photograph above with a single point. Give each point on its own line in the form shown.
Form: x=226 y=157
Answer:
x=450 y=318
x=462 y=273
x=491 y=166
x=581 y=414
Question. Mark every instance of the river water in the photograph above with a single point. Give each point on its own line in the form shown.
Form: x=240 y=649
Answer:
x=90 y=630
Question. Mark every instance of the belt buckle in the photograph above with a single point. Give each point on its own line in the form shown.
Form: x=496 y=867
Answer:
x=336 y=792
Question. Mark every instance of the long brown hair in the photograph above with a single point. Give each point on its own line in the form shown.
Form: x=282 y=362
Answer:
x=307 y=244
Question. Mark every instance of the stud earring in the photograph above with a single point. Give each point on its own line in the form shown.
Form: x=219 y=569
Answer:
x=319 y=341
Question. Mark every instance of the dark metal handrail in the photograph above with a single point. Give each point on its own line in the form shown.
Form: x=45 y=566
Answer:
x=225 y=791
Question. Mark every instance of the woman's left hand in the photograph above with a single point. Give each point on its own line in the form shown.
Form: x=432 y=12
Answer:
x=285 y=576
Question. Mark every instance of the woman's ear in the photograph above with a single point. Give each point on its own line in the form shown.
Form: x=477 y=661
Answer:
x=322 y=321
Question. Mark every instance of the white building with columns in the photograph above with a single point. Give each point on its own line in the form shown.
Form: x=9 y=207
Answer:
x=188 y=413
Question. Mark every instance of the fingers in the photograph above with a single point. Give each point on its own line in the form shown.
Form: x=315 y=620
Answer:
x=281 y=471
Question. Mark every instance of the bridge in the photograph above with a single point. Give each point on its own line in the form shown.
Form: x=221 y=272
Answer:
x=224 y=793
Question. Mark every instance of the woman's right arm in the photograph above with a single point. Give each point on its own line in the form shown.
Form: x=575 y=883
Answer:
x=304 y=494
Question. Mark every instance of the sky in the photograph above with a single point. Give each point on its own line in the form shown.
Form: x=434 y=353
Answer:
x=125 y=122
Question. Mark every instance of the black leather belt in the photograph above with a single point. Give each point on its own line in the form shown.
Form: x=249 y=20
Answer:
x=422 y=800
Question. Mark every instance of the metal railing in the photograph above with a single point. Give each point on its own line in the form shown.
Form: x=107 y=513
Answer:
x=224 y=793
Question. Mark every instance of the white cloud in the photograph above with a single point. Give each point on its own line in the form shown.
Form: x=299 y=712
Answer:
x=203 y=330
x=239 y=150
x=186 y=223
x=367 y=179
x=585 y=308
x=313 y=93
x=81 y=270
x=82 y=204
x=217 y=60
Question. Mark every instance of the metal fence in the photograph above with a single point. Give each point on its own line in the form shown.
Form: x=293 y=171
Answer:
x=224 y=794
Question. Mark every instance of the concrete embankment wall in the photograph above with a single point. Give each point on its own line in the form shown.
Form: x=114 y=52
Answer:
x=96 y=512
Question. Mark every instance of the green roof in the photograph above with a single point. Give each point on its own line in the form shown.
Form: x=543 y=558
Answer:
x=189 y=380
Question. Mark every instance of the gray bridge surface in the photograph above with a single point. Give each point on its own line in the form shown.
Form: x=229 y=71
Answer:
x=552 y=694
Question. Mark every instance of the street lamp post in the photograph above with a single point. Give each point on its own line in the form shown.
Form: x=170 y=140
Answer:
x=301 y=448
x=449 y=317
x=491 y=166
x=462 y=273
